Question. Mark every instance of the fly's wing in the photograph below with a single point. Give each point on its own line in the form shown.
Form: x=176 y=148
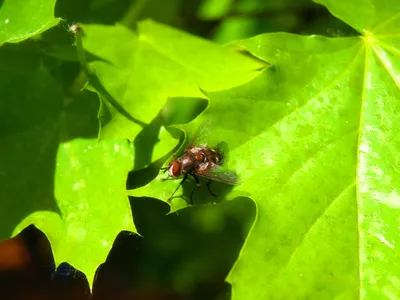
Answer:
x=220 y=174
x=200 y=137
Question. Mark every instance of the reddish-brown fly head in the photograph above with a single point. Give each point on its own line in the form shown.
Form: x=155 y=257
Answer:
x=174 y=168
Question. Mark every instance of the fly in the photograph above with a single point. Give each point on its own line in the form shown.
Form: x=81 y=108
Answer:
x=200 y=160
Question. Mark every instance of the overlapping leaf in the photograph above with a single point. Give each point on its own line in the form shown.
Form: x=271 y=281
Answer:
x=74 y=192
x=315 y=141
x=142 y=70
x=30 y=106
x=89 y=189
x=22 y=19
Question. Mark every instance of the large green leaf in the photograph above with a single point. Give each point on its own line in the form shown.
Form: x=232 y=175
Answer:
x=314 y=139
x=90 y=193
x=74 y=191
x=328 y=222
x=142 y=70
x=22 y=19
x=29 y=108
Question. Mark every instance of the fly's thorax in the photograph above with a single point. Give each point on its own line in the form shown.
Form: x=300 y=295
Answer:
x=205 y=155
x=187 y=163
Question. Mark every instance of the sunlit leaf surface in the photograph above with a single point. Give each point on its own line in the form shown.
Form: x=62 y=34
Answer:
x=309 y=124
x=74 y=191
x=142 y=70
x=22 y=19
x=314 y=140
x=90 y=194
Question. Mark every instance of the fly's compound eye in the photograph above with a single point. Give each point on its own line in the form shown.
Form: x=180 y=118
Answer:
x=174 y=168
x=199 y=157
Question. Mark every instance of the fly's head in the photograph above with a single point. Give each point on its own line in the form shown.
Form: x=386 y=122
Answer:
x=174 y=168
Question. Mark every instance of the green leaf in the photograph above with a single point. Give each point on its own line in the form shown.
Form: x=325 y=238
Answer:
x=328 y=216
x=314 y=140
x=142 y=70
x=90 y=194
x=74 y=192
x=302 y=170
x=22 y=19
x=372 y=17
x=29 y=108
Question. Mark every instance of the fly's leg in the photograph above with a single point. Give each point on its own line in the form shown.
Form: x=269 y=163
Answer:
x=196 y=188
x=165 y=169
x=167 y=178
x=209 y=189
x=182 y=181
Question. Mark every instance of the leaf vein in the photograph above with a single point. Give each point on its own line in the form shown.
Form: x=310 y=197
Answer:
x=313 y=225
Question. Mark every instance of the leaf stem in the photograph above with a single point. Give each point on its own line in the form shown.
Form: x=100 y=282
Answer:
x=94 y=80
x=79 y=49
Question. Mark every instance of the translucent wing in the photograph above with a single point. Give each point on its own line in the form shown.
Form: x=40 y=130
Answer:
x=220 y=174
x=200 y=137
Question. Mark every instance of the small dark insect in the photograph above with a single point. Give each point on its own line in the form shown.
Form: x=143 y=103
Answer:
x=200 y=160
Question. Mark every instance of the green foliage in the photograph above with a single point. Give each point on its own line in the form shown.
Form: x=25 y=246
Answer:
x=88 y=180
x=168 y=63
x=309 y=122
x=18 y=23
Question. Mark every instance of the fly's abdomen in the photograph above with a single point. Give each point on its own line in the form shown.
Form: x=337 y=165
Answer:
x=213 y=156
